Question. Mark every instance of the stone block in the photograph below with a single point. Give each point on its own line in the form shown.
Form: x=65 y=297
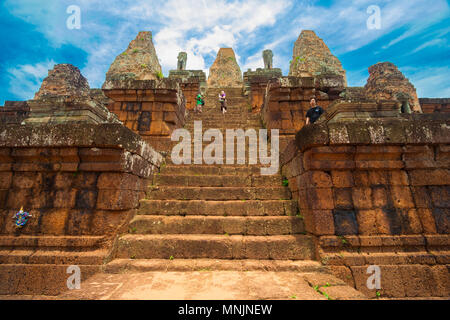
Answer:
x=440 y=196
x=5 y=180
x=435 y=177
x=362 y=197
x=86 y=199
x=79 y=222
x=27 y=180
x=392 y=284
x=378 y=177
x=361 y=178
x=345 y=222
x=53 y=222
x=319 y=222
x=427 y=220
x=421 y=197
x=401 y=197
x=367 y=221
x=122 y=181
x=380 y=197
x=343 y=198
x=342 y=179
x=442 y=220
x=111 y=222
x=109 y=199
x=65 y=198
x=320 y=198
x=318 y=179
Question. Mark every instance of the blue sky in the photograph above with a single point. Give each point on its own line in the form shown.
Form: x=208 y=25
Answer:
x=414 y=34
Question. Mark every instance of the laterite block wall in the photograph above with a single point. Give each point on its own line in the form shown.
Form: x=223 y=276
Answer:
x=377 y=193
x=81 y=183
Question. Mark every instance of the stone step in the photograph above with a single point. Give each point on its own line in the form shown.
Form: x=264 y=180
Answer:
x=287 y=247
x=220 y=118
x=57 y=256
x=224 y=127
x=230 y=114
x=225 y=122
x=219 y=208
x=217 y=180
x=204 y=169
x=185 y=265
x=236 y=124
x=214 y=101
x=23 y=241
x=217 y=193
x=233 y=225
x=39 y=279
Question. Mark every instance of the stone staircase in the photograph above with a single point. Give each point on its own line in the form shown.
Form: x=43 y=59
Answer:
x=195 y=215
x=216 y=232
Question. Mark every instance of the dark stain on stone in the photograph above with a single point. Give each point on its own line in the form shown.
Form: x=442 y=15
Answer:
x=145 y=118
x=86 y=199
x=345 y=222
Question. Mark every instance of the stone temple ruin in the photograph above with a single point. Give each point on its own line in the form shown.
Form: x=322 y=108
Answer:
x=367 y=184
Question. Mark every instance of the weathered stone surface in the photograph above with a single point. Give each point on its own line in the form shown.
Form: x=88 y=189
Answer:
x=182 y=59
x=139 y=61
x=353 y=94
x=65 y=97
x=14 y=112
x=85 y=135
x=151 y=108
x=430 y=105
x=64 y=80
x=225 y=71
x=386 y=82
x=312 y=57
x=268 y=59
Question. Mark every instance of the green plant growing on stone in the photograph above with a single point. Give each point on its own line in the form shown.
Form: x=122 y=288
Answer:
x=171 y=258
x=343 y=240
x=316 y=288
x=378 y=294
x=135 y=50
x=293 y=296
x=159 y=75
x=133 y=257
x=285 y=182
x=143 y=66
x=133 y=230
x=124 y=53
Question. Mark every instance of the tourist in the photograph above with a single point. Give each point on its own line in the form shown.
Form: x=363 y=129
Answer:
x=222 y=99
x=314 y=112
x=200 y=103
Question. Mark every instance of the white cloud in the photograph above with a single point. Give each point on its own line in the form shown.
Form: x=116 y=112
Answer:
x=25 y=80
x=429 y=82
x=201 y=27
x=430 y=43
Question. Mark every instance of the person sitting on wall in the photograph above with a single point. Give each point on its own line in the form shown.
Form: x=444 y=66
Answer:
x=314 y=112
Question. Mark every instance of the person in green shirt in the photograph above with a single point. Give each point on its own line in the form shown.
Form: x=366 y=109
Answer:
x=200 y=103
